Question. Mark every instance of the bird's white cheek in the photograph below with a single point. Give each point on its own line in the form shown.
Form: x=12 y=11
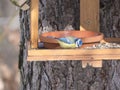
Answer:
x=76 y=44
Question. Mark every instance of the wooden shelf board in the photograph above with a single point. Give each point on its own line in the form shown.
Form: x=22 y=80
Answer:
x=113 y=40
x=72 y=54
x=83 y=58
x=75 y=54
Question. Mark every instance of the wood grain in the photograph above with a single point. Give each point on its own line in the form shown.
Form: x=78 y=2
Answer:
x=89 y=15
x=87 y=58
x=74 y=52
x=34 y=23
x=111 y=40
x=89 y=20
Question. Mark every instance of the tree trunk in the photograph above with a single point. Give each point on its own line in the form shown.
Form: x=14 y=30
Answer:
x=68 y=75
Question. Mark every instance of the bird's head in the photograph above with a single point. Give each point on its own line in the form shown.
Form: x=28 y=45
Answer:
x=78 y=42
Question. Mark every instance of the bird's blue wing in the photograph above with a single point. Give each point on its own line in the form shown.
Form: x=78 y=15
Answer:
x=71 y=39
x=69 y=42
x=65 y=40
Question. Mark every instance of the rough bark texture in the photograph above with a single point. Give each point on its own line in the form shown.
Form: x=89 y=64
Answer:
x=69 y=75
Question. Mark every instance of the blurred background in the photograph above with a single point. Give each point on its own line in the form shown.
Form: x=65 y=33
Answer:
x=9 y=46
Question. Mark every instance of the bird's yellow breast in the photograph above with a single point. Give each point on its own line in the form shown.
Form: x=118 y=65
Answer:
x=65 y=45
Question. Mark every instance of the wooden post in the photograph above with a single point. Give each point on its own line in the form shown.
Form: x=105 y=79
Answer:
x=34 y=23
x=89 y=20
x=89 y=15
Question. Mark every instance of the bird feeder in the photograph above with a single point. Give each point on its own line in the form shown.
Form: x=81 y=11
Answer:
x=89 y=20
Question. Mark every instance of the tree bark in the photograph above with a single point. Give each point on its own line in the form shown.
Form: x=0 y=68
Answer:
x=68 y=75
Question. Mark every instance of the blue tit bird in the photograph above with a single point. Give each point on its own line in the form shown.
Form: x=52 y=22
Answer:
x=69 y=42
x=21 y=4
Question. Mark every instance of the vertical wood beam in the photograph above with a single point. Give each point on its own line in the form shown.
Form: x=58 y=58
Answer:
x=89 y=20
x=89 y=15
x=34 y=23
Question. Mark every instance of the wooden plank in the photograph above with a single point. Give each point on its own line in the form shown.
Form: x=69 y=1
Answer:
x=89 y=20
x=77 y=54
x=73 y=57
x=112 y=40
x=89 y=15
x=34 y=23
x=74 y=52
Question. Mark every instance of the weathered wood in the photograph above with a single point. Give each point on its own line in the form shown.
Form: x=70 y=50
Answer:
x=89 y=15
x=34 y=23
x=92 y=17
x=92 y=57
x=89 y=20
x=73 y=52
x=112 y=40
x=76 y=54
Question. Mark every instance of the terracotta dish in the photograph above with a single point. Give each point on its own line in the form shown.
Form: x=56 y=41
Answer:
x=88 y=37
